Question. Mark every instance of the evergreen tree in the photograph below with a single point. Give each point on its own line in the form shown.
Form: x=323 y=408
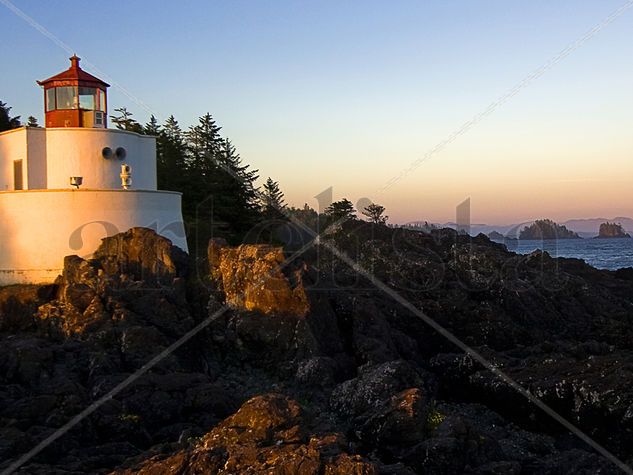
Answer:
x=375 y=213
x=32 y=122
x=219 y=193
x=205 y=193
x=152 y=127
x=239 y=185
x=219 y=186
x=340 y=210
x=307 y=215
x=204 y=143
x=272 y=200
x=171 y=157
x=124 y=121
x=6 y=121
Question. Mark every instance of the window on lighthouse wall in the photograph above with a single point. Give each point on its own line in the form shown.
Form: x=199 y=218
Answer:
x=66 y=97
x=50 y=99
x=87 y=98
x=101 y=100
x=17 y=175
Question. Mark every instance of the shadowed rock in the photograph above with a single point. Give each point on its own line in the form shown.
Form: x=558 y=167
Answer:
x=143 y=255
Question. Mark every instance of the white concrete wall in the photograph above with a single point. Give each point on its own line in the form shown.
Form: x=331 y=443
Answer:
x=54 y=155
x=77 y=152
x=12 y=147
x=39 y=228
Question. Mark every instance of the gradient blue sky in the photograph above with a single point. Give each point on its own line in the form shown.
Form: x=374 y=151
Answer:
x=348 y=94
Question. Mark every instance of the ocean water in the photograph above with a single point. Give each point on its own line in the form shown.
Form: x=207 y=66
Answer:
x=609 y=254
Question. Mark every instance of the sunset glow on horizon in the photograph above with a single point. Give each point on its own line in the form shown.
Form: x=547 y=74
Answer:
x=350 y=95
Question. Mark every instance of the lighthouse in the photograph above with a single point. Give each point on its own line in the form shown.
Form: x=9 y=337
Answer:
x=65 y=187
x=75 y=98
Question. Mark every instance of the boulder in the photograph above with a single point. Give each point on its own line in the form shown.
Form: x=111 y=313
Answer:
x=373 y=387
x=268 y=434
x=143 y=255
x=134 y=278
x=400 y=421
x=252 y=278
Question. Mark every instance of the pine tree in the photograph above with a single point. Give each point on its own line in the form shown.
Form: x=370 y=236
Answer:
x=204 y=143
x=152 y=127
x=375 y=213
x=238 y=183
x=32 y=122
x=124 y=121
x=6 y=121
x=272 y=200
x=205 y=195
x=340 y=210
x=307 y=215
x=170 y=157
x=220 y=187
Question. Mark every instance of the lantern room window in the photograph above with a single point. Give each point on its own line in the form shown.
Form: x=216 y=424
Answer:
x=101 y=100
x=50 y=99
x=70 y=97
x=87 y=96
x=66 y=97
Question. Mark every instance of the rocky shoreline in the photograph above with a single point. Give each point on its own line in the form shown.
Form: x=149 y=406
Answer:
x=316 y=371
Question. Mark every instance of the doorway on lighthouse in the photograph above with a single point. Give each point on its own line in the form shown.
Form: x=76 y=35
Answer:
x=17 y=175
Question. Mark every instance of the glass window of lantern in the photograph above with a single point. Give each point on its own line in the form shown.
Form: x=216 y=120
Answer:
x=66 y=97
x=50 y=99
x=87 y=99
x=101 y=100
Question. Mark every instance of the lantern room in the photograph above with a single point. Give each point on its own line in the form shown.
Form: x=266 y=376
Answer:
x=75 y=98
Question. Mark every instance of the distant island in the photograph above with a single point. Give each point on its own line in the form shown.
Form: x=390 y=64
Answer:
x=612 y=230
x=497 y=236
x=547 y=229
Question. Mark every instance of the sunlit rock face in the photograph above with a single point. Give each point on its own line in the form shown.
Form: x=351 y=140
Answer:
x=252 y=279
x=267 y=435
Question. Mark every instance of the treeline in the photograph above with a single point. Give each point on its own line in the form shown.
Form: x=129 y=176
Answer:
x=220 y=196
x=7 y=122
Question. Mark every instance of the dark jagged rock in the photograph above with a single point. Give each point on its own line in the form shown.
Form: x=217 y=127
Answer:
x=134 y=279
x=19 y=303
x=142 y=255
x=373 y=387
x=352 y=383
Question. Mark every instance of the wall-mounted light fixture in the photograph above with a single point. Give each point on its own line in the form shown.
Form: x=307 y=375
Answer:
x=76 y=181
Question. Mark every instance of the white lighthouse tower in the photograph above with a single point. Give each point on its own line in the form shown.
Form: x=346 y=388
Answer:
x=65 y=187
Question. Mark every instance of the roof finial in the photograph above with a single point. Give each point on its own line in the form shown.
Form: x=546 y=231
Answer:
x=74 y=61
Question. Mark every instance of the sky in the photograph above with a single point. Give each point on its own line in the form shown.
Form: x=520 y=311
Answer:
x=349 y=95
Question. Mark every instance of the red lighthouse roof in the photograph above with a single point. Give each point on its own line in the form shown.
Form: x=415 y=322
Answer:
x=75 y=98
x=73 y=76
